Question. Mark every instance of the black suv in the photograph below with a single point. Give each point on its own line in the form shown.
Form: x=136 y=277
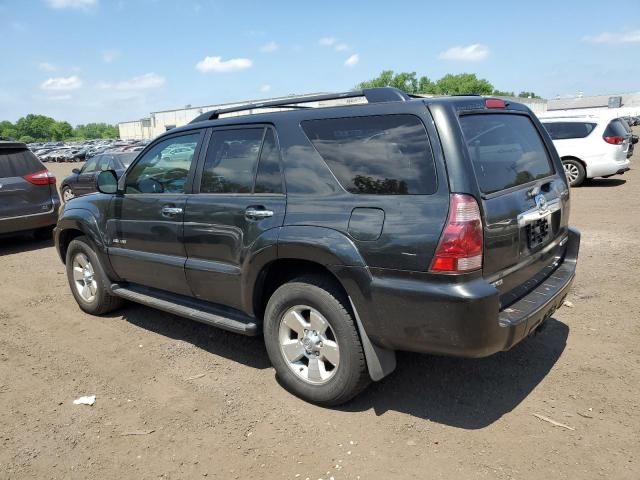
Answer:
x=342 y=234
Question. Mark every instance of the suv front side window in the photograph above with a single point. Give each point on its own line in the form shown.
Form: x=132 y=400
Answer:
x=164 y=168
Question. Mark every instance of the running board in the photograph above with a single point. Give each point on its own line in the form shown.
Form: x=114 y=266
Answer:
x=190 y=308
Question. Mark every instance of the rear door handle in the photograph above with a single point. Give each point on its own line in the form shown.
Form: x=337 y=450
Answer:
x=171 y=211
x=258 y=213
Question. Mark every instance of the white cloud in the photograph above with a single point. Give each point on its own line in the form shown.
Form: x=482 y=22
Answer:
x=59 y=98
x=606 y=37
x=216 y=64
x=265 y=88
x=141 y=82
x=471 y=53
x=352 y=60
x=80 y=4
x=62 y=83
x=109 y=56
x=47 y=67
x=327 y=41
x=269 y=47
x=342 y=47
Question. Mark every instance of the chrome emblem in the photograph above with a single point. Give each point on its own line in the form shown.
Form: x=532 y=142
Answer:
x=541 y=203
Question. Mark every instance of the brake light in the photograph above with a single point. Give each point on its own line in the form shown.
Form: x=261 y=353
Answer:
x=460 y=246
x=43 y=177
x=614 y=140
x=495 y=103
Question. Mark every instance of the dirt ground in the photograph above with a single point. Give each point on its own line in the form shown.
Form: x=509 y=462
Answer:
x=177 y=399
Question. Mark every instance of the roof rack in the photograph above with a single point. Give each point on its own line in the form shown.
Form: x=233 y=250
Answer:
x=373 y=95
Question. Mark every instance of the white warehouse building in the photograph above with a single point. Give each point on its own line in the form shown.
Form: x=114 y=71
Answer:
x=161 y=121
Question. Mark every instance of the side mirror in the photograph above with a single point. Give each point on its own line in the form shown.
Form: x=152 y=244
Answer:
x=107 y=182
x=76 y=171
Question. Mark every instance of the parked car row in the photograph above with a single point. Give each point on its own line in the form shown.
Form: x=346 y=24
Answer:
x=591 y=145
x=82 y=151
x=633 y=121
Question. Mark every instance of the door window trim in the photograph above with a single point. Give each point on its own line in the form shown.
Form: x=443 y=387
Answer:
x=188 y=186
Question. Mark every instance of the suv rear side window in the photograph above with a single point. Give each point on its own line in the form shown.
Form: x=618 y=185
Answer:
x=232 y=156
x=382 y=154
x=567 y=130
x=506 y=150
x=18 y=162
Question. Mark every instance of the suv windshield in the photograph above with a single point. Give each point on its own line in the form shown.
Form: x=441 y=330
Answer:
x=505 y=149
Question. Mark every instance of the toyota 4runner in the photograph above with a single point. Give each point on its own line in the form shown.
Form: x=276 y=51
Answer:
x=341 y=234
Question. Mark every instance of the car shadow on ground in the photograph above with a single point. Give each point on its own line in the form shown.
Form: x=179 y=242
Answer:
x=22 y=243
x=603 y=182
x=249 y=351
x=466 y=393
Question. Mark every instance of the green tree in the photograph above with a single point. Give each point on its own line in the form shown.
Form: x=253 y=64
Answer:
x=500 y=93
x=8 y=130
x=528 y=95
x=61 y=130
x=96 y=130
x=39 y=127
x=26 y=139
x=463 y=84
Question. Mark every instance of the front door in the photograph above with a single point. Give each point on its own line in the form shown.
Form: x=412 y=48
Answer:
x=238 y=197
x=145 y=226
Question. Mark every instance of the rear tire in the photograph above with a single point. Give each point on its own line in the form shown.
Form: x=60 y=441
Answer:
x=309 y=319
x=575 y=172
x=87 y=279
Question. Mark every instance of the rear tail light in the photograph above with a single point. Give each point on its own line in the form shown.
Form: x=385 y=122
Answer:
x=43 y=177
x=460 y=246
x=614 y=140
x=495 y=103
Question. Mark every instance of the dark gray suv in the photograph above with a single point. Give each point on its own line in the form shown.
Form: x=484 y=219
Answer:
x=28 y=197
x=341 y=234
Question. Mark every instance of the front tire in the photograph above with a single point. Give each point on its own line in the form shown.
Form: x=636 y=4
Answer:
x=313 y=343
x=87 y=279
x=67 y=194
x=575 y=172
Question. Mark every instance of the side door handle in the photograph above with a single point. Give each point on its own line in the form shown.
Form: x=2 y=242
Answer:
x=171 y=211
x=258 y=213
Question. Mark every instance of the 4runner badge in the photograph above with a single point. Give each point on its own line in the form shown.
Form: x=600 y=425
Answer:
x=541 y=203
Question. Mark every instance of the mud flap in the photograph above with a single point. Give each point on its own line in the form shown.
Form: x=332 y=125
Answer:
x=380 y=361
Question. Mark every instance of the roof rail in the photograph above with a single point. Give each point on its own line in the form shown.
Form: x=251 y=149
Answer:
x=373 y=95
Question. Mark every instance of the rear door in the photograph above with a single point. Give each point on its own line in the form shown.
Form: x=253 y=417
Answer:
x=86 y=178
x=239 y=196
x=524 y=196
x=18 y=196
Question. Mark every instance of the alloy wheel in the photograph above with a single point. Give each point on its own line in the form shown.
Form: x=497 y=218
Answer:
x=84 y=277
x=309 y=345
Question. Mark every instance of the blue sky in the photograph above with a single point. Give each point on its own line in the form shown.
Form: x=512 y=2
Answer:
x=116 y=60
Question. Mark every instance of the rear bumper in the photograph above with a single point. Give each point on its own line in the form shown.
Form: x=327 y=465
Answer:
x=608 y=168
x=29 y=222
x=462 y=318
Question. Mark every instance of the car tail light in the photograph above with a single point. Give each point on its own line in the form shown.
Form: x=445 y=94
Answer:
x=614 y=140
x=495 y=103
x=43 y=177
x=460 y=246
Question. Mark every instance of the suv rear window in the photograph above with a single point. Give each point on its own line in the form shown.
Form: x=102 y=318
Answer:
x=382 y=154
x=567 y=130
x=18 y=162
x=615 y=129
x=506 y=150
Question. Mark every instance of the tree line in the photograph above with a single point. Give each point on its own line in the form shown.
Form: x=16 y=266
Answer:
x=40 y=128
x=450 y=84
